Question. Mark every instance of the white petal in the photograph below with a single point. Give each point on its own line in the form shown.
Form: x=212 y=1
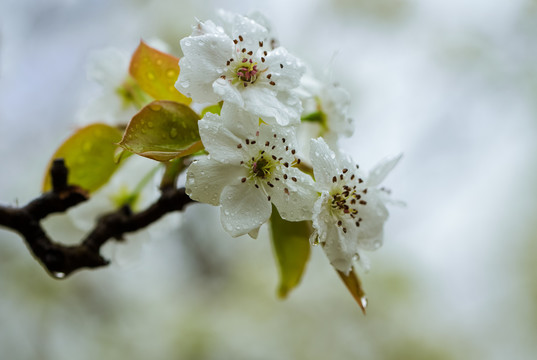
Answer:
x=281 y=108
x=251 y=32
x=288 y=76
x=244 y=209
x=194 y=83
x=206 y=178
x=297 y=203
x=379 y=173
x=339 y=252
x=329 y=235
x=370 y=232
x=254 y=233
x=219 y=141
x=228 y=92
x=324 y=162
x=240 y=122
x=204 y=60
x=335 y=102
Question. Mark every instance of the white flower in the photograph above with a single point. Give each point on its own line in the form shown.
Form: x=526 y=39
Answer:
x=249 y=168
x=240 y=67
x=108 y=68
x=120 y=97
x=349 y=215
x=328 y=104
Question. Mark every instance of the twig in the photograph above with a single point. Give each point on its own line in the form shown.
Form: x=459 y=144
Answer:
x=62 y=260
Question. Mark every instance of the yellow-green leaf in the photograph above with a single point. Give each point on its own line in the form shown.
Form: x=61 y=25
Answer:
x=163 y=130
x=156 y=73
x=89 y=156
x=215 y=109
x=354 y=285
x=291 y=245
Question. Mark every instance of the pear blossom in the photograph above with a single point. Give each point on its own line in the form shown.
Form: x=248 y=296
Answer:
x=350 y=213
x=327 y=103
x=239 y=66
x=250 y=167
x=120 y=97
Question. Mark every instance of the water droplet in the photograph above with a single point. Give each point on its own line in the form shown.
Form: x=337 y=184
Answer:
x=363 y=303
x=155 y=107
x=185 y=83
x=201 y=43
x=87 y=146
x=150 y=124
x=171 y=73
x=150 y=76
x=159 y=62
x=173 y=133
x=187 y=43
x=226 y=212
x=58 y=275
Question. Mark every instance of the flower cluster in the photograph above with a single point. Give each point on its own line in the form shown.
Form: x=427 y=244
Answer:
x=253 y=160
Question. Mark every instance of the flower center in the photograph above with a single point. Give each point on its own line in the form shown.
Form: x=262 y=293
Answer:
x=347 y=197
x=247 y=71
x=261 y=167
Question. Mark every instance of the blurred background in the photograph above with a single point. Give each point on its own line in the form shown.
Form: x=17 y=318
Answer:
x=451 y=84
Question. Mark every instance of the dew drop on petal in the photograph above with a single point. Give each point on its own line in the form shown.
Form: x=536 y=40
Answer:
x=173 y=133
x=187 y=43
x=171 y=73
x=150 y=76
x=150 y=124
x=185 y=83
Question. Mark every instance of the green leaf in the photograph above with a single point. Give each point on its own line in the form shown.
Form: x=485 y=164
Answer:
x=156 y=73
x=291 y=245
x=89 y=156
x=354 y=285
x=163 y=130
x=215 y=109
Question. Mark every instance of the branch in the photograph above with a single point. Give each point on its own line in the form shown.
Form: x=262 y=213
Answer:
x=62 y=260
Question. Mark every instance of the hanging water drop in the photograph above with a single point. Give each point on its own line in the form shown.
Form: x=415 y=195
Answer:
x=58 y=275
x=363 y=303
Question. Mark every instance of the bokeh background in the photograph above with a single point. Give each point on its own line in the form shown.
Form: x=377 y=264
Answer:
x=451 y=84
